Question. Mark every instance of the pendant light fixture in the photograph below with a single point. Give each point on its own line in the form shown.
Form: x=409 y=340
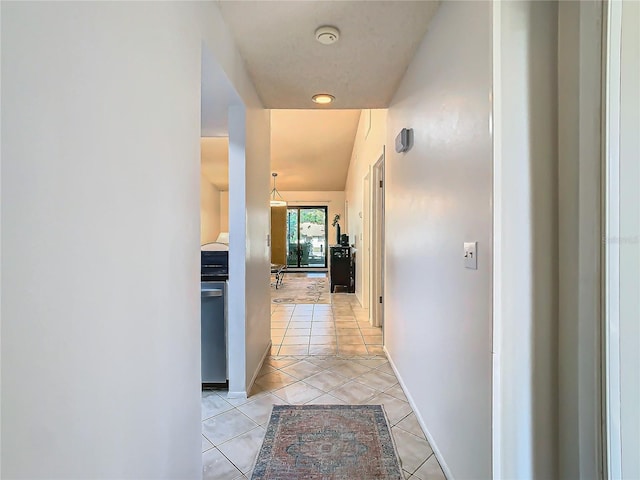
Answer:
x=276 y=198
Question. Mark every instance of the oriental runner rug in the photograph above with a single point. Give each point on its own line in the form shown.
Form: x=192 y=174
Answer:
x=327 y=442
x=299 y=288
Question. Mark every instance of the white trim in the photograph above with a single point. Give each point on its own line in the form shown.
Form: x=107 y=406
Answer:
x=612 y=249
x=260 y=363
x=425 y=430
x=495 y=125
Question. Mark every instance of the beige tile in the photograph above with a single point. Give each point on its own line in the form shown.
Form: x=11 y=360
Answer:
x=213 y=404
x=278 y=332
x=386 y=368
x=296 y=332
x=279 y=362
x=298 y=393
x=412 y=450
x=350 y=339
x=297 y=324
x=266 y=368
x=323 y=349
x=242 y=449
x=319 y=330
x=371 y=362
x=371 y=331
x=322 y=321
x=275 y=349
x=375 y=350
x=206 y=444
x=372 y=339
x=226 y=425
x=279 y=325
x=378 y=380
x=323 y=340
x=325 y=399
x=216 y=466
x=294 y=350
x=396 y=391
x=396 y=409
x=275 y=379
x=326 y=381
x=259 y=410
x=302 y=340
x=349 y=369
x=276 y=340
x=342 y=331
x=429 y=470
x=352 y=350
x=322 y=308
x=353 y=392
x=302 y=369
x=410 y=424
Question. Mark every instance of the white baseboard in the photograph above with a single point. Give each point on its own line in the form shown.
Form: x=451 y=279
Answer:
x=434 y=446
x=260 y=363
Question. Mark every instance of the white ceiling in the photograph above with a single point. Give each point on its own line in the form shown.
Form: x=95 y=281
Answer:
x=311 y=149
x=217 y=95
x=362 y=70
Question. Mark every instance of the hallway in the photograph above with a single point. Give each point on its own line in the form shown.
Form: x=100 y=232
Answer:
x=340 y=327
x=322 y=353
x=233 y=429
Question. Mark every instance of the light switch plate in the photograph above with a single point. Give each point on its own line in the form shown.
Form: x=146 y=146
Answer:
x=471 y=255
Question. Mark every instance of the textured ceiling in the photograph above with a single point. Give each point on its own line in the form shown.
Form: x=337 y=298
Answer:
x=362 y=70
x=311 y=145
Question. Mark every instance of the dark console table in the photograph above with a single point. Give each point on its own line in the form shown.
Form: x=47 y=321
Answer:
x=343 y=268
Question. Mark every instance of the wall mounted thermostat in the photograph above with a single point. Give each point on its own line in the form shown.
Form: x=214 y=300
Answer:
x=404 y=140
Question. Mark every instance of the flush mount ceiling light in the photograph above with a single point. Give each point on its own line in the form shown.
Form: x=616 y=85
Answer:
x=323 y=98
x=327 y=35
x=276 y=198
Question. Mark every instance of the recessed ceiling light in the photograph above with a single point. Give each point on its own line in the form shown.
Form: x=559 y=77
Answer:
x=323 y=98
x=327 y=35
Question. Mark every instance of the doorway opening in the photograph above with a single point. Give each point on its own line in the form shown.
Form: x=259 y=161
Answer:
x=307 y=237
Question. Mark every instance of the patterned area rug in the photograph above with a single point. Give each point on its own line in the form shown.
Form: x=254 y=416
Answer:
x=298 y=288
x=327 y=442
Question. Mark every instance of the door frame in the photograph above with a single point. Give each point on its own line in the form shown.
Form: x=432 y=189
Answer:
x=326 y=234
x=365 y=256
x=377 y=257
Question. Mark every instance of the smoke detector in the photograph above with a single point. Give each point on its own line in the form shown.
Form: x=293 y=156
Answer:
x=327 y=35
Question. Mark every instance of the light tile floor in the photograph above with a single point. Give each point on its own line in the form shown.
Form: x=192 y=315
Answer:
x=321 y=354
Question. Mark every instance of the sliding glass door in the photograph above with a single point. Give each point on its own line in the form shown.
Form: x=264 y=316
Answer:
x=307 y=237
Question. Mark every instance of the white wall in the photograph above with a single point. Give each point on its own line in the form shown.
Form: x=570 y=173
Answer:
x=224 y=211
x=629 y=241
x=580 y=238
x=438 y=196
x=258 y=252
x=367 y=149
x=102 y=312
x=526 y=239
x=209 y=211
x=249 y=213
x=100 y=221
